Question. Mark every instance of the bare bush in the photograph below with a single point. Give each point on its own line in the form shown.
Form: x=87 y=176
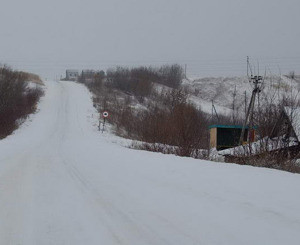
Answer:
x=171 y=75
x=136 y=81
x=164 y=120
x=16 y=99
x=277 y=144
x=177 y=124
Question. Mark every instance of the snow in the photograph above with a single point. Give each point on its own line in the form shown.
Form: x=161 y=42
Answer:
x=206 y=106
x=220 y=90
x=33 y=85
x=264 y=145
x=294 y=117
x=63 y=182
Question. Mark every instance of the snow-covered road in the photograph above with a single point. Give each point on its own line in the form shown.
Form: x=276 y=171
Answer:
x=63 y=183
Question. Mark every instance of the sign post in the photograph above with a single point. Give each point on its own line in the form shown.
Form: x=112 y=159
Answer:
x=105 y=115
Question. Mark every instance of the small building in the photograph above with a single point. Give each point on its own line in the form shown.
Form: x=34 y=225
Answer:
x=227 y=136
x=283 y=141
x=72 y=75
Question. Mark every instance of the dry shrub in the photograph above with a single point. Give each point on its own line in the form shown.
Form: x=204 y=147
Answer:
x=16 y=99
x=164 y=121
x=177 y=127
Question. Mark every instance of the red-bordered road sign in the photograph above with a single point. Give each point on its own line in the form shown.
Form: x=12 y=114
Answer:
x=105 y=114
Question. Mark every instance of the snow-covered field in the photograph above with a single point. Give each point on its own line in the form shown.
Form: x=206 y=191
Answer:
x=64 y=183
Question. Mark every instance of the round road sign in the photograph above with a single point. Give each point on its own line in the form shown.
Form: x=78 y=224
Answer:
x=105 y=114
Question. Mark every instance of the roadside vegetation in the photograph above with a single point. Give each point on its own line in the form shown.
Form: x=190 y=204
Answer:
x=276 y=117
x=152 y=107
x=17 y=99
x=148 y=105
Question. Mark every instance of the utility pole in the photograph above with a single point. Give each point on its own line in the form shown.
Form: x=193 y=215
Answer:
x=185 y=67
x=245 y=102
x=256 y=80
x=213 y=110
x=248 y=67
x=233 y=105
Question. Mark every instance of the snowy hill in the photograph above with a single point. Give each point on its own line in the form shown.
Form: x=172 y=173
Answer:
x=63 y=182
x=220 y=90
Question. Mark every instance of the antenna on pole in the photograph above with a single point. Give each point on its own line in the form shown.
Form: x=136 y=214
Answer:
x=248 y=66
x=249 y=69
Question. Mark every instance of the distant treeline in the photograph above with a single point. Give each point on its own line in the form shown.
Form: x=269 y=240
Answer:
x=169 y=75
x=138 y=81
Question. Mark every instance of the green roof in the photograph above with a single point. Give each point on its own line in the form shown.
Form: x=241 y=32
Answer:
x=226 y=126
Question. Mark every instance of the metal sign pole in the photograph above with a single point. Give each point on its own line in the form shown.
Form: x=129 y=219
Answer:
x=105 y=115
x=99 y=125
x=103 y=125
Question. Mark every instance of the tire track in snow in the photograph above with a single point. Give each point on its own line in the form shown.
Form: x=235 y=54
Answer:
x=115 y=219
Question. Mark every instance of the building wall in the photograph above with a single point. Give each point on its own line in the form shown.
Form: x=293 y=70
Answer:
x=226 y=137
x=213 y=137
x=229 y=137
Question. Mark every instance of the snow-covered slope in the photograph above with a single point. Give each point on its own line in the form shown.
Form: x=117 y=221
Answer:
x=62 y=182
x=221 y=90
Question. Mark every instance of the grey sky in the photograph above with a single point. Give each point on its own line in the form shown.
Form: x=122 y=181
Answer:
x=212 y=36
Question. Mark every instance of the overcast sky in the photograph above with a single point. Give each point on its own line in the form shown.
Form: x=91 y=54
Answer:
x=213 y=37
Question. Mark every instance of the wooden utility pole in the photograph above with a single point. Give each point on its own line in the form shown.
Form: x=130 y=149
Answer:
x=233 y=105
x=214 y=111
x=256 y=81
x=245 y=103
